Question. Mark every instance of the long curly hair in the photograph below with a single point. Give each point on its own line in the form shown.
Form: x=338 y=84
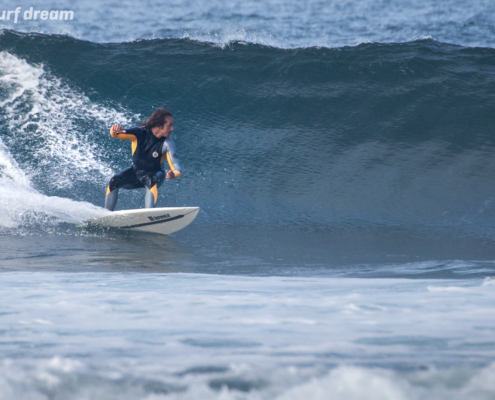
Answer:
x=158 y=118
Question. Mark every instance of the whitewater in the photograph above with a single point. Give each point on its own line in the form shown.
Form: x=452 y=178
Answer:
x=342 y=156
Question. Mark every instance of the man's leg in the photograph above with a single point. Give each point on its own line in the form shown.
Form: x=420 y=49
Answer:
x=152 y=182
x=111 y=199
x=149 y=199
x=124 y=179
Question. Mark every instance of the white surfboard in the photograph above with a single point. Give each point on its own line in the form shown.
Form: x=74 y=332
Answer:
x=155 y=220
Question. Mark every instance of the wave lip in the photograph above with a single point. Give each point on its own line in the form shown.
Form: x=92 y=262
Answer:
x=281 y=24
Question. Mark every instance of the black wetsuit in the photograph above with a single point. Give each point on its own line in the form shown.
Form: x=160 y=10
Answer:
x=146 y=161
x=148 y=153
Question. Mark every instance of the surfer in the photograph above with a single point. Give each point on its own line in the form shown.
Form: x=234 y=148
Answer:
x=151 y=145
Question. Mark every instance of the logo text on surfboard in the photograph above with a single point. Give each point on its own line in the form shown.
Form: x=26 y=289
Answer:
x=159 y=217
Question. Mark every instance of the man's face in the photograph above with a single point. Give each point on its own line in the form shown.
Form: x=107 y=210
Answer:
x=165 y=130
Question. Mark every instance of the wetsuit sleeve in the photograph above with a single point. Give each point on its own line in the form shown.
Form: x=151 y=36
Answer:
x=169 y=152
x=130 y=134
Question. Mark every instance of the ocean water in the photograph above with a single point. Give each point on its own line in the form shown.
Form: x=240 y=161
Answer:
x=342 y=154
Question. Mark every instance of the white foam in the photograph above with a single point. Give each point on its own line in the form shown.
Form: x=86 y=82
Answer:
x=351 y=383
x=10 y=169
x=488 y=282
x=447 y=289
x=341 y=383
x=19 y=201
x=139 y=333
x=232 y=34
x=19 y=204
x=356 y=383
x=17 y=75
x=42 y=114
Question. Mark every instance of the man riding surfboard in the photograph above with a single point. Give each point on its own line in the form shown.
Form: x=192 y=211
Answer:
x=151 y=145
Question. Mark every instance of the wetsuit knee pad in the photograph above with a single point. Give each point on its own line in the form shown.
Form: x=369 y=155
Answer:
x=124 y=179
x=159 y=178
x=153 y=179
x=115 y=183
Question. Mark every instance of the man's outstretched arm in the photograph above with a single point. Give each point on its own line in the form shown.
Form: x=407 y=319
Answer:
x=116 y=130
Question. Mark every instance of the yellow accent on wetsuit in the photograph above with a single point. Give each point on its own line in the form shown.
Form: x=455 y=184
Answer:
x=154 y=190
x=126 y=136
x=167 y=156
x=176 y=173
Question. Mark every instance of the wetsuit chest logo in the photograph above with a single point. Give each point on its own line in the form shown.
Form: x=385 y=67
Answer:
x=155 y=154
